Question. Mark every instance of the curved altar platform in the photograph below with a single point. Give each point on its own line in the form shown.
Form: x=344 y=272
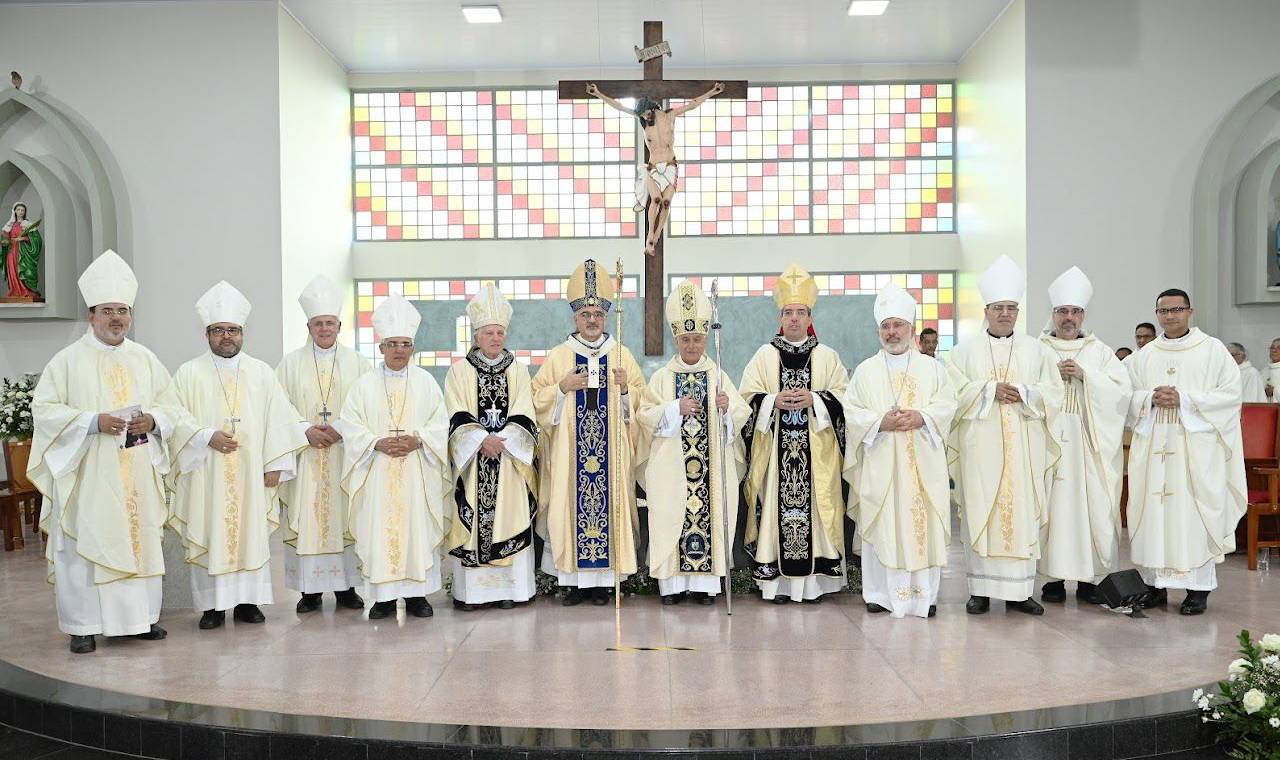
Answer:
x=793 y=681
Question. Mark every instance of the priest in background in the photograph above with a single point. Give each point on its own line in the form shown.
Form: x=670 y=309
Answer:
x=684 y=432
x=395 y=468
x=1273 y=372
x=1081 y=539
x=102 y=410
x=492 y=447
x=584 y=511
x=236 y=443
x=898 y=407
x=318 y=553
x=1186 y=462
x=1252 y=387
x=1001 y=454
x=795 y=442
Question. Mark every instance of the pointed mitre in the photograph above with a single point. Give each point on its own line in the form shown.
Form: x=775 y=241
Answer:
x=1072 y=288
x=489 y=307
x=1003 y=281
x=688 y=310
x=795 y=286
x=321 y=297
x=223 y=303
x=589 y=285
x=108 y=280
x=396 y=318
x=894 y=302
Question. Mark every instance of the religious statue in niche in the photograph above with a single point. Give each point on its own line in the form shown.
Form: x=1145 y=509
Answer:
x=20 y=246
x=656 y=185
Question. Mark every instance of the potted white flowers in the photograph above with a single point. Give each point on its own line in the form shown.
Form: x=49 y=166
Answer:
x=17 y=425
x=1248 y=705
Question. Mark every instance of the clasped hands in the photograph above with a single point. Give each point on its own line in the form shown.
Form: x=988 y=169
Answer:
x=110 y=424
x=1008 y=394
x=692 y=407
x=577 y=380
x=397 y=446
x=793 y=398
x=1166 y=397
x=226 y=443
x=901 y=420
x=1068 y=369
x=323 y=436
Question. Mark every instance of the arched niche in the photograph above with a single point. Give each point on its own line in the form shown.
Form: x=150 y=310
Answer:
x=1254 y=268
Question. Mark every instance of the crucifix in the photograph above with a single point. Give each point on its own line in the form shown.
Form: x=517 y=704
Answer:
x=324 y=415
x=232 y=422
x=657 y=183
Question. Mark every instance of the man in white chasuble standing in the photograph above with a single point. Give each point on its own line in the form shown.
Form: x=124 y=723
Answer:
x=235 y=445
x=688 y=421
x=1001 y=453
x=585 y=395
x=898 y=409
x=1080 y=541
x=395 y=469
x=795 y=440
x=319 y=555
x=103 y=409
x=1186 y=461
x=493 y=443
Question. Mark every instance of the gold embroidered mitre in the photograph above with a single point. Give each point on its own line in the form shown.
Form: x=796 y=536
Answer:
x=489 y=307
x=590 y=285
x=795 y=286
x=688 y=310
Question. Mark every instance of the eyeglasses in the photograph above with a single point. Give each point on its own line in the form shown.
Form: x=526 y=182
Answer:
x=397 y=344
x=1004 y=309
x=1172 y=310
x=592 y=316
x=1064 y=312
x=232 y=331
x=110 y=312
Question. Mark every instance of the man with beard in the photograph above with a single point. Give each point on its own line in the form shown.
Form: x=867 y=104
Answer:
x=237 y=442
x=899 y=406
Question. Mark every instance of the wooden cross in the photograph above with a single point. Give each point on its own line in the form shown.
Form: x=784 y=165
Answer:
x=232 y=422
x=654 y=87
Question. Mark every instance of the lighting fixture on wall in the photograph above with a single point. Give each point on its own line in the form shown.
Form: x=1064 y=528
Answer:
x=867 y=7
x=486 y=14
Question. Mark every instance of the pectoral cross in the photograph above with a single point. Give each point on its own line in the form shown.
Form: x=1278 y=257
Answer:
x=324 y=415
x=232 y=422
x=493 y=415
x=396 y=432
x=1162 y=494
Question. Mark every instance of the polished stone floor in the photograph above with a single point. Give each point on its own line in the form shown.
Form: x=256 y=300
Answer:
x=546 y=665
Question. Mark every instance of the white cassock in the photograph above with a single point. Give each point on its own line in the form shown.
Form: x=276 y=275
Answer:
x=222 y=510
x=319 y=553
x=397 y=503
x=1186 y=465
x=1252 y=388
x=1273 y=382
x=1081 y=538
x=900 y=491
x=1001 y=457
x=106 y=510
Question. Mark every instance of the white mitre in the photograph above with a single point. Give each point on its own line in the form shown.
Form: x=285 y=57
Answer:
x=321 y=297
x=396 y=318
x=223 y=303
x=108 y=280
x=894 y=302
x=1003 y=281
x=489 y=307
x=1072 y=288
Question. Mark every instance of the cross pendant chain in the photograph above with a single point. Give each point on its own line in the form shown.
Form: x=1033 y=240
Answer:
x=232 y=422
x=325 y=414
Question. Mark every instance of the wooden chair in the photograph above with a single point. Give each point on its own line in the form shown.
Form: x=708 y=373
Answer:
x=1260 y=429
x=17 y=493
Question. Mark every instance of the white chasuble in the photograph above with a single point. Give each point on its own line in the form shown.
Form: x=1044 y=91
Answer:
x=1186 y=464
x=900 y=493
x=1080 y=541
x=319 y=553
x=1252 y=386
x=588 y=440
x=105 y=509
x=221 y=508
x=398 y=516
x=1001 y=458
x=494 y=499
x=795 y=503
x=678 y=463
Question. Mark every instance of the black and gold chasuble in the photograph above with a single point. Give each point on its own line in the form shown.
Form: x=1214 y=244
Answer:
x=696 y=535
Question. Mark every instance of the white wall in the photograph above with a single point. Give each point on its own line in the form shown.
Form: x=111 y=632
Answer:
x=184 y=96
x=315 y=174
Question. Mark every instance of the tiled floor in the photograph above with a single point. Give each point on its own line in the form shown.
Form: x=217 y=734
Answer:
x=546 y=665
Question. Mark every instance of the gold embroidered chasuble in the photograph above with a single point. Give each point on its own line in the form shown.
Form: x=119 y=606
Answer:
x=680 y=473
x=1186 y=471
x=398 y=517
x=112 y=501
x=900 y=497
x=223 y=512
x=316 y=382
x=1001 y=455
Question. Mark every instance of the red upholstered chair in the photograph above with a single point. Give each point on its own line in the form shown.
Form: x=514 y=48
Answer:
x=1260 y=428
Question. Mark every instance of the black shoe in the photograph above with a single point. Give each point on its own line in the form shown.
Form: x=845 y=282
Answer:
x=380 y=610
x=155 y=634
x=349 y=599
x=1054 y=592
x=933 y=610
x=875 y=609
x=1027 y=605
x=670 y=600
x=1156 y=597
x=507 y=604
x=978 y=605
x=418 y=606
x=815 y=600
x=1195 y=603
x=248 y=613
x=458 y=604
x=571 y=596
x=600 y=596
x=308 y=603
x=705 y=599
x=1088 y=593
x=83 y=644
x=781 y=599
x=212 y=619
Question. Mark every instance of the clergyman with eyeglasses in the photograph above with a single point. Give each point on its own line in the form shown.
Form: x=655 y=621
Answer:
x=1186 y=461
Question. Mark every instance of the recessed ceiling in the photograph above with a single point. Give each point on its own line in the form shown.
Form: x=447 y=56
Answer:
x=432 y=35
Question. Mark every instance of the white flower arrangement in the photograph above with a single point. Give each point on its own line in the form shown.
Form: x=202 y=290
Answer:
x=1247 y=707
x=15 y=407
